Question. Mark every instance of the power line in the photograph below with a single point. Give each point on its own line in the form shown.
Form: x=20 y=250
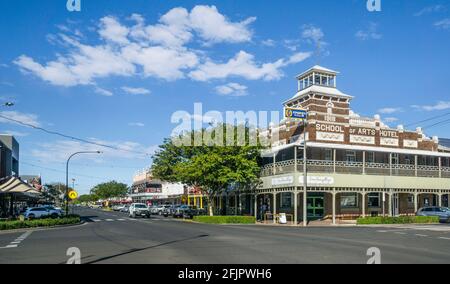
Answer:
x=428 y=119
x=88 y=165
x=60 y=171
x=444 y=122
x=72 y=137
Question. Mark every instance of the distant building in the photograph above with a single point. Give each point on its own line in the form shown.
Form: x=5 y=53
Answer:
x=9 y=156
x=146 y=189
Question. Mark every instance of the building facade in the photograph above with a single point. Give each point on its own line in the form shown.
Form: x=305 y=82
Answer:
x=146 y=189
x=356 y=166
x=9 y=156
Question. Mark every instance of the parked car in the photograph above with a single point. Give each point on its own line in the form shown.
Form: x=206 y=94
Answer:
x=185 y=211
x=40 y=212
x=139 y=209
x=153 y=209
x=54 y=211
x=442 y=212
x=125 y=209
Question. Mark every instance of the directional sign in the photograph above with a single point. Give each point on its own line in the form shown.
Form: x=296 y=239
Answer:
x=73 y=194
x=292 y=113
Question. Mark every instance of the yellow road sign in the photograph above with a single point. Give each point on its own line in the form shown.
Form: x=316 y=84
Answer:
x=73 y=194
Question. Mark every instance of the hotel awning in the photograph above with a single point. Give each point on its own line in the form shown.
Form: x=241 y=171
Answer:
x=15 y=185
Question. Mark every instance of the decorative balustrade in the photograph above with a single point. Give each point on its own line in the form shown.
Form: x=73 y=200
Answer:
x=340 y=167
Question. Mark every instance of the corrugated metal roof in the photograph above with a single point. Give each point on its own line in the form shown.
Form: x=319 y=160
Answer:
x=444 y=142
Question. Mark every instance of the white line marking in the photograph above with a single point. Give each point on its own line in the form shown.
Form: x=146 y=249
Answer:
x=400 y=233
x=121 y=220
x=109 y=220
x=420 y=235
x=444 y=238
x=11 y=246
x=96 y=220
x=15 y=243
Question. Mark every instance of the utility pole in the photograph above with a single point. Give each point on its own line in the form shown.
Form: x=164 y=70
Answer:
x=305 y=175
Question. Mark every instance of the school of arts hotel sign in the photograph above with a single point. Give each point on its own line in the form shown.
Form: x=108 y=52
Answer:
x=361 y=135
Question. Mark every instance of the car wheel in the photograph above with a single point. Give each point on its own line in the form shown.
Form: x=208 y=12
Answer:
x=54 y=216
x=31 y=216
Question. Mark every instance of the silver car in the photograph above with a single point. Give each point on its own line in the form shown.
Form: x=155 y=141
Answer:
x=442 y=212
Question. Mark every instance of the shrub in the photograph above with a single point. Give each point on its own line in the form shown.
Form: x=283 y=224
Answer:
x=398 y=220
x=17 y=224
x=225 y=219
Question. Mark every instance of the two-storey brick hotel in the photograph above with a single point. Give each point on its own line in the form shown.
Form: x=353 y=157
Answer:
x=356 y=165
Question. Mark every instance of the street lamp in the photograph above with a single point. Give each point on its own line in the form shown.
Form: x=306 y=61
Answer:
x=67 y=174
x=8 y=104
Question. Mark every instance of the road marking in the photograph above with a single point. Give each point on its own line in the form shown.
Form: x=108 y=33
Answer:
x=444 y=238
x=400 y=233
x=121 y=220
x=420 y=235
x=109 y=220
x=18 y=240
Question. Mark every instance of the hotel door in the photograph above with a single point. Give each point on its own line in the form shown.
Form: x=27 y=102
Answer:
x=316 y=209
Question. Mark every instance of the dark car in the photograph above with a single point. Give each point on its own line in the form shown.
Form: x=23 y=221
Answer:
x=185 y=211
x=442 y=212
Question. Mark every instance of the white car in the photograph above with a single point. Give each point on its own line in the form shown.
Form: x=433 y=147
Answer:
x=139 y=209
x=36 y=213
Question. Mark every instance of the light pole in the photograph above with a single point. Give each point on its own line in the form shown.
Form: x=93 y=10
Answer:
x=8 y=104
x=67 y=174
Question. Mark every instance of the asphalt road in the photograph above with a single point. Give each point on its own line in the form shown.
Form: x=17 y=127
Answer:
x=110 y=237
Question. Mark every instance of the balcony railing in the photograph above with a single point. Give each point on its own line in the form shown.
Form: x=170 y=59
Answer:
x=340 y=167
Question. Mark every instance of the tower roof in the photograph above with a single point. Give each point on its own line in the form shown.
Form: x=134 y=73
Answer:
x=318 y=69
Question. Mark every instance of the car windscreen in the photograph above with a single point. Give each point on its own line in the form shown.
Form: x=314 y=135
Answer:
x=140 y=206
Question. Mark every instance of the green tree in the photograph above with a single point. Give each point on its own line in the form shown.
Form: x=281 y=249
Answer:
x=211 y=167
x=110 y=190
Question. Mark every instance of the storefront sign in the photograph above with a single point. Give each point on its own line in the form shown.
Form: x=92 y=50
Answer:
x=317 y=180
x=283 y=180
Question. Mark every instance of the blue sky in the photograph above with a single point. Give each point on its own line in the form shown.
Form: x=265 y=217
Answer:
x=115 y=72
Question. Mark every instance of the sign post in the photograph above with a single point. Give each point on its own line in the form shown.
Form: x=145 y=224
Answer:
x=301 y=115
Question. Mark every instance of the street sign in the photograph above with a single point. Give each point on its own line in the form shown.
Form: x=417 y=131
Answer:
x=73 y=194
x=293 y=113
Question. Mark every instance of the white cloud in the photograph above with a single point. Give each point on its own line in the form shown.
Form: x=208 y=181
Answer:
x=268 y=42
x=442 y=105
x=15 y=133
x=136 y=91
x=215 y=27
x=103 y=92
x=390 y=119
x=244 y=65
x=158 y=51
x=313 y=34
x=136 y=124
x=430 y=10
x=371 y=32
x=232 y=89
x=111 y=30
x=443 y=24
x=58 y=151
x=160 y=62
x=390 y=110
x=23 y=117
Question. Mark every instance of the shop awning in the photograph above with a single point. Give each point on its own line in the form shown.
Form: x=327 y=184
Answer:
x=15 y=185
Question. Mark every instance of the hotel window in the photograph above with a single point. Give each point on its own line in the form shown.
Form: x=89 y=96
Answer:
x=349 y=200
x=373 y=199
x=350 y=156
x=286 y=200
x=370 y=157
x=328 y=155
